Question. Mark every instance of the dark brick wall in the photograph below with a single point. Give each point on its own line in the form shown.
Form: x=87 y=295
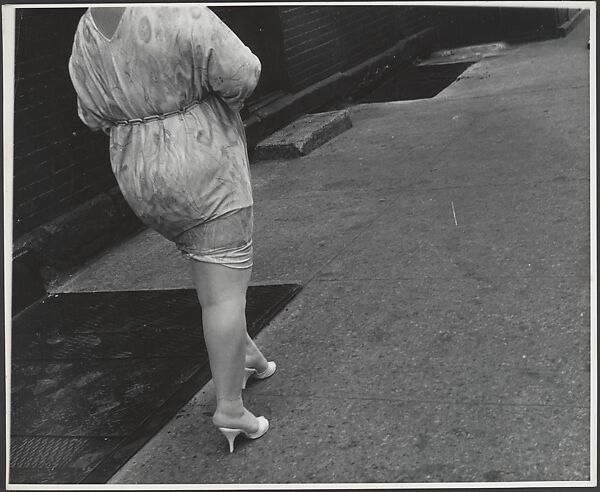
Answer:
x=320 y=41
x=259 y=28
x=58 y=162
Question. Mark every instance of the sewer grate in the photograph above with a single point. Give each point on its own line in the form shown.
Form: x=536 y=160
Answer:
x=146 y=343
x=44 y=452
x=408 y=82
x=96 y=375
x=92 y=397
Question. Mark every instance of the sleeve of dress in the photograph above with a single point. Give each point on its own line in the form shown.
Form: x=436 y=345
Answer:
x=228 y=66
x=89 y=117
x=92 y=120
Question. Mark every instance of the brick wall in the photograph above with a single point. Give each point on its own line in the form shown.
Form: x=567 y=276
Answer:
x=58 y=163
x=320 y=41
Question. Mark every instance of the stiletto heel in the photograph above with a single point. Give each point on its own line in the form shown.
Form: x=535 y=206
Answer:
x=253 y=373
x=248 y=373
x=231 y=434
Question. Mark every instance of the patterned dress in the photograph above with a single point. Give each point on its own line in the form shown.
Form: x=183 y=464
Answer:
x=183 y=169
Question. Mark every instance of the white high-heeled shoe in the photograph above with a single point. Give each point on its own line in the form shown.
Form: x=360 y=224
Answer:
x=231 y=434
x=253 y=373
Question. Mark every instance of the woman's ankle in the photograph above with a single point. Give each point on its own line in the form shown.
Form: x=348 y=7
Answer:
x=230 y=407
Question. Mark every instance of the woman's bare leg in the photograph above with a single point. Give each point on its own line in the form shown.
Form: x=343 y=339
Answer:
x=222 y=294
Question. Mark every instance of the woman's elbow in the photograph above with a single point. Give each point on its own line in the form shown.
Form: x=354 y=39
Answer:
x=250 y=77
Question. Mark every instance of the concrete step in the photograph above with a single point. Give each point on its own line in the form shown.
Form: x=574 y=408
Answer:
x=303 y=135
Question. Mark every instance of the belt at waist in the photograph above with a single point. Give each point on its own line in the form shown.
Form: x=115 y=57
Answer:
x=154 y=117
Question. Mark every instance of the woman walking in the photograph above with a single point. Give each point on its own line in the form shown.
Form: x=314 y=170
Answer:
x=167 y=84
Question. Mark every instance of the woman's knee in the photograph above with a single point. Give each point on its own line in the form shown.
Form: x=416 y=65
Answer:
x=217 y=284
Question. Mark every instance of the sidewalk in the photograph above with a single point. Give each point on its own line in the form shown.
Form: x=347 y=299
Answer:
x=443 y=332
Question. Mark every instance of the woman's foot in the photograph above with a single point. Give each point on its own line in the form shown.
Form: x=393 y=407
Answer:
x=235 y=416
x=259 y=364
x=253 y=373
x=231 y=433
x=255 y=363
x=254 y=358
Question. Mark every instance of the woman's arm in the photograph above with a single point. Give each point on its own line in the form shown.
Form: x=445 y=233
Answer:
x=91 y=120
x=89 y=117
x=228 y=66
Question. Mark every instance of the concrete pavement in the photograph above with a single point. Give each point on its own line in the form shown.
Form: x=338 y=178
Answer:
x=443 y=332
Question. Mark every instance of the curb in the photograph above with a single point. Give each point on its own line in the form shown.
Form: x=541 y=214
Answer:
x=45 y=255
x=569 y=25
x=49 y=252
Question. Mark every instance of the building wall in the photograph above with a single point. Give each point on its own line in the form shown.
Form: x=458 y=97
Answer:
x=58 y=162
x=320 y=41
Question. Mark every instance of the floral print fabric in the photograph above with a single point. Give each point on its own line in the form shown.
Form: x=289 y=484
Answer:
x=188 y=168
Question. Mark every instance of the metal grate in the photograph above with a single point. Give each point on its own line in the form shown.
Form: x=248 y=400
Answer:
x=44 y=452
x=142 y=344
